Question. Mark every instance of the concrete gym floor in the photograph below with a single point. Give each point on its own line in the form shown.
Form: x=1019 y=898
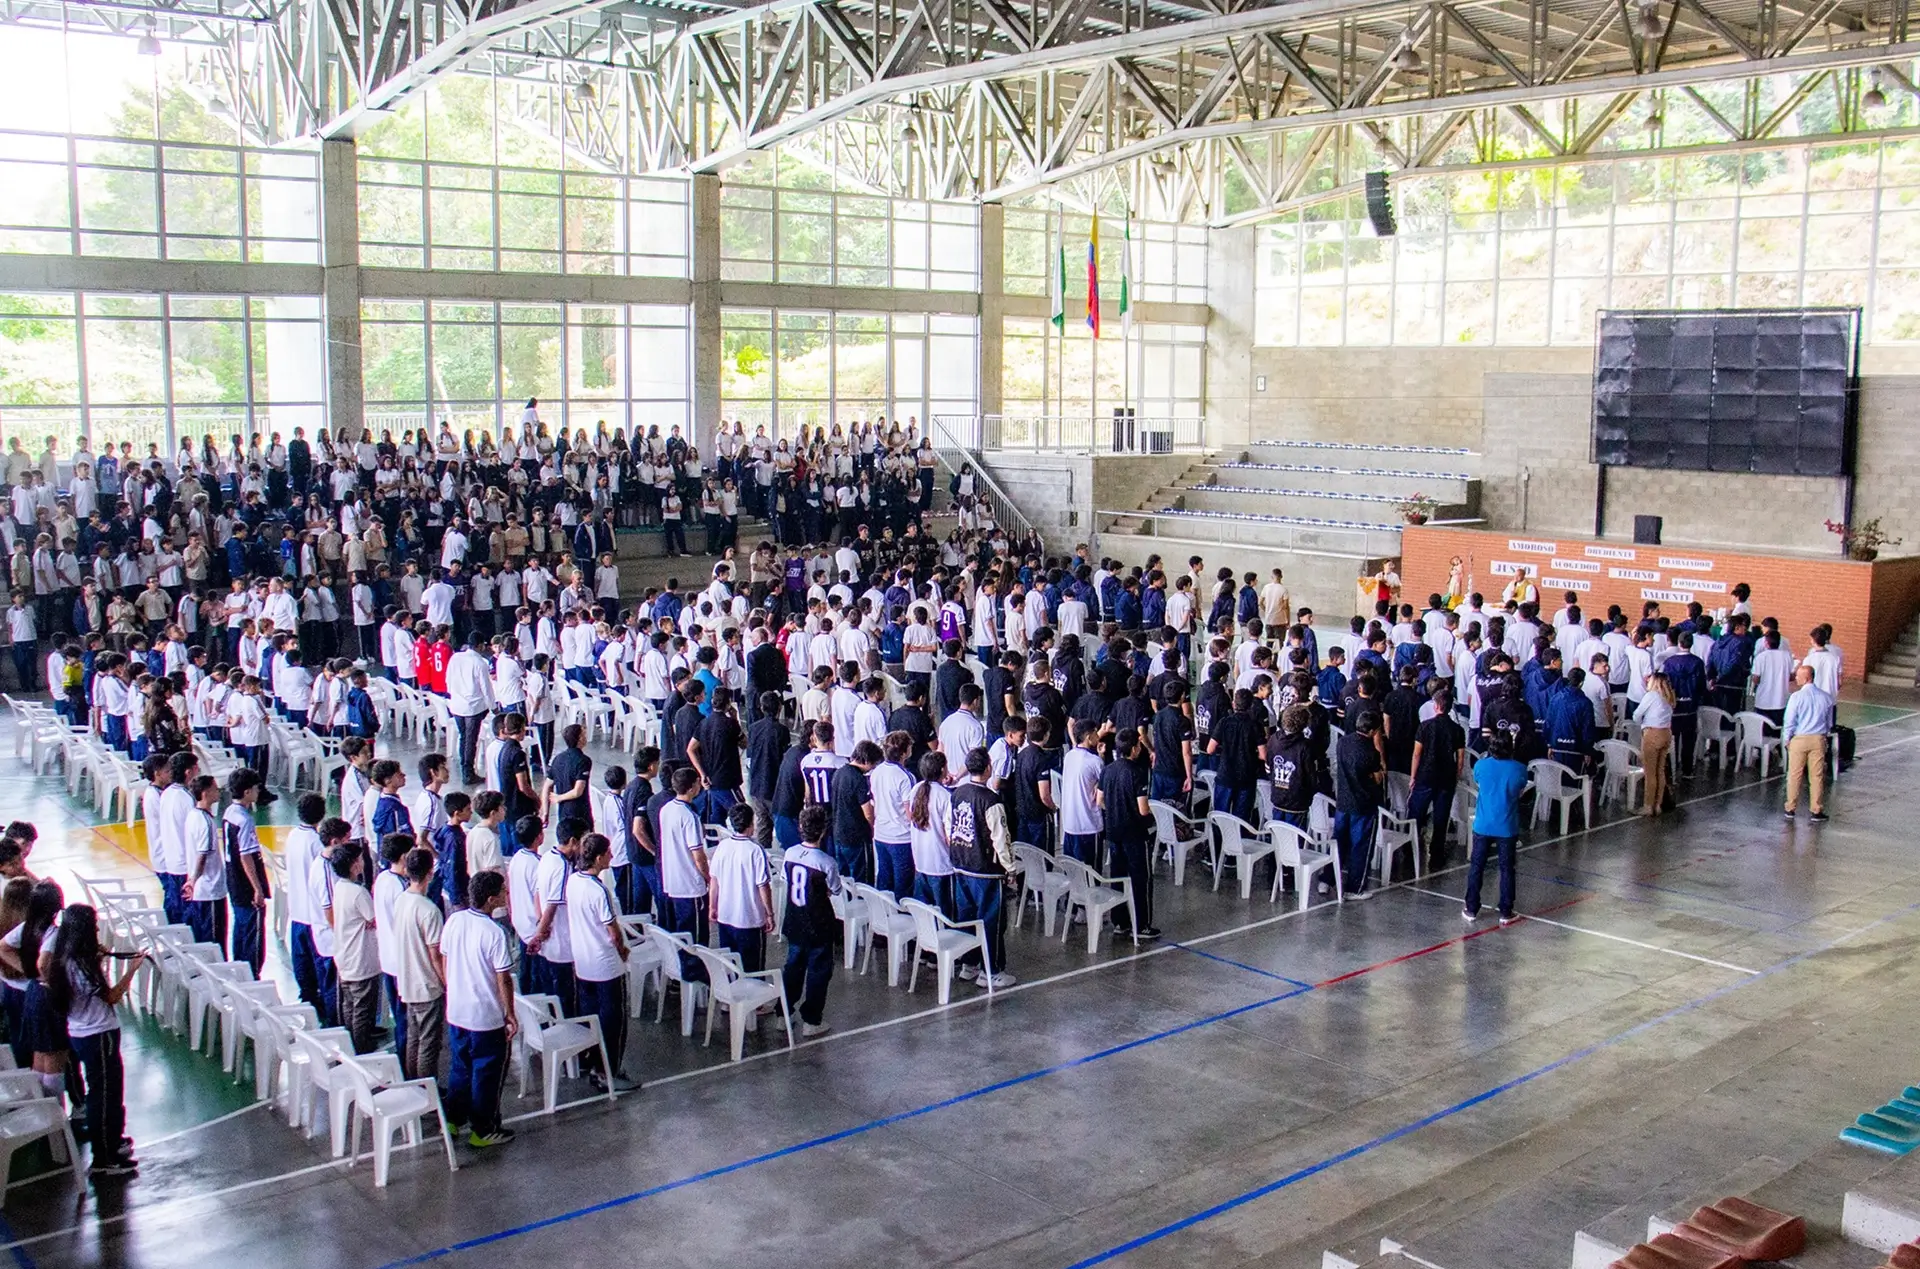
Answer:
x=1685 y=997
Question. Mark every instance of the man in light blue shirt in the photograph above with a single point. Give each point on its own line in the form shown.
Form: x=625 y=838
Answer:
x=1501 y=780
x=1804 y=729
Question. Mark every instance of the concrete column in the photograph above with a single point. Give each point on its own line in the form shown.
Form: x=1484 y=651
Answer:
x=992 y=305
x=704 y=266
x=340 y=284
x=1234 y=403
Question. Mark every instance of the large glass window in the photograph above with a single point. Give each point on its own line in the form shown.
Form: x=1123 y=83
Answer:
x=475 y=363
x=1528 y=256
x=785 y=220
x=787 y=369
x=1159 y=370
x=154 y=368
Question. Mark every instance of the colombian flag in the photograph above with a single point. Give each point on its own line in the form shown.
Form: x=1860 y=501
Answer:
x=1093 y=279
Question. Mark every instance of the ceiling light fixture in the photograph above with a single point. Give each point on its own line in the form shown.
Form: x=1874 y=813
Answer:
x=148 y=45
x=1407 y=57
x=218 y=105
x=583 y=92
x=1646 y=21
x=1875 y=98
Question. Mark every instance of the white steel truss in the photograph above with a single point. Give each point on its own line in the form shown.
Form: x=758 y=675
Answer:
x=1187 y=109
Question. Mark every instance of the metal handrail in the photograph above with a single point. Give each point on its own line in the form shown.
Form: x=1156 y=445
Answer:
x=950 y=447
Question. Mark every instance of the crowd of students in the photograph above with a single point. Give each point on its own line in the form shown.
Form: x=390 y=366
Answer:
x=895 y=709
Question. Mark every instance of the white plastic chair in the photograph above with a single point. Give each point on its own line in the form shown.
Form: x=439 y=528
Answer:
x=321 y=1053
x=646 y=963
x=1556 y=789
x=1716 y=737
x=852 y=911
x=1750 y=737
x=1233 y=839
x=1096 y=894
x=1621 y=774
x=1320 y=813
x=886 y=919
x=741 y=994
x=947 y=941
x=1294 y=849
x=1041 y=882
x=1392 y=835
x=1176 y=836
x=1202 y=791
x=25 y=1121
x=1399 y=792
x=391 y=1108
x=670 y=945
x=558 y=1042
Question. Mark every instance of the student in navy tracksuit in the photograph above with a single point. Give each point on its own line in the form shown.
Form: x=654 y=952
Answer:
x=812 y=879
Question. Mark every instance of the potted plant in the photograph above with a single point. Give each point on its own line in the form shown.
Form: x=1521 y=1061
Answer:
x=1416 y=508
x=1862 y=541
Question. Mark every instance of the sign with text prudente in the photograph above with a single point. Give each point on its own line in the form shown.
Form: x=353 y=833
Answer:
x=1533 y=548
x=1610 y=553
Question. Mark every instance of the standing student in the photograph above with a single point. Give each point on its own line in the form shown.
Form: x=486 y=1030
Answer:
x=853 y=812
x=1654 y=713
x=599 y=956
x=302 y=847
x=419 y=969
x=982 y=854
x=552 y=939
x=1439 y=753
x=1128 y=826
x=1077 y=792
x=1359 y=789
x=812 y=879
x=166 y=845
x=523 y=909
x=1501 y=780
x=739 y=891
x=205 y=891
x=248 y=889
x=683 y=865
x=889 y=787
x=356 y=957
x=388 y=885
x=479 y=1003
x=81 y=998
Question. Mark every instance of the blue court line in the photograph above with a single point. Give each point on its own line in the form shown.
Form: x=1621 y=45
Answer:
x=959 y=1099
x=20 y=1257
x=1251 y=969
x=1405 y=1130
x=828 y=1139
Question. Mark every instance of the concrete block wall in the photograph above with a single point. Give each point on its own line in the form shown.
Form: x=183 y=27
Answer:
x=1060 y=492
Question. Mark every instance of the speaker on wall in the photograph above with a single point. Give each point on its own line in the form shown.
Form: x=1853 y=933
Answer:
x=1380 y=204
x=1646 y=530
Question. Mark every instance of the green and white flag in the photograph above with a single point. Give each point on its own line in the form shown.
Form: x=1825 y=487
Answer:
x=1126 y=274
x=1059 y=280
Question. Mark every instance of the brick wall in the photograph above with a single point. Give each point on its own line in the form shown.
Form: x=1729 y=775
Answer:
x=1801 y=592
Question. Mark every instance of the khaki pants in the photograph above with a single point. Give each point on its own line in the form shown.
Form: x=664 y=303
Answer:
x=1807 y=756
x=1655 y=742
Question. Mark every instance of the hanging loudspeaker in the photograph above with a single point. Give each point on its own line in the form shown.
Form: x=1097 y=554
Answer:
x=1379 y=204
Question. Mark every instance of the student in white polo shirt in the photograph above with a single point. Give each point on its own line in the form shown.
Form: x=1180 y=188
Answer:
x=480 y=1025
x=524 y=907
x=356 y=953
x=599 y=955
x=301 y=848
x=740 y=893
x=683 y=866
x=418 y=968
x=205 y=891
x=552 y=941
x=388 y=885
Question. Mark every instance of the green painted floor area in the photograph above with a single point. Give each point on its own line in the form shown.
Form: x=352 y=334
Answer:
x=1861 y=714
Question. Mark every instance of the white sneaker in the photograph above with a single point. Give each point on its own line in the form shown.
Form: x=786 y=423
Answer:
x=1000 y=981
x=1467 y=916
x=966 y=973
x=811 y=1029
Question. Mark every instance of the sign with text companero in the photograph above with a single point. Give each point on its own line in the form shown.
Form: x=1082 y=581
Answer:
x=1699 y=583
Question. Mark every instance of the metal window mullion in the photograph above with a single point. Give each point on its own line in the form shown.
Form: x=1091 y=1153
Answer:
x=246 y=358
x=80 y=353
x=73 y=194
x=160 y=203
x=1873 y=242
x=166 y=375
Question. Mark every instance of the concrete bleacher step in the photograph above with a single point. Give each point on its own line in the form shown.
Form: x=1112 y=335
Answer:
x=1450 y=488
x=1393 y=1254
x=1900 y=665
x=1307 y=504
x=1883 y=1211
x=1416 y=458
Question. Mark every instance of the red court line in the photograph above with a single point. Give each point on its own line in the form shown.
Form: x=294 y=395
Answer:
x=1461 y=938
